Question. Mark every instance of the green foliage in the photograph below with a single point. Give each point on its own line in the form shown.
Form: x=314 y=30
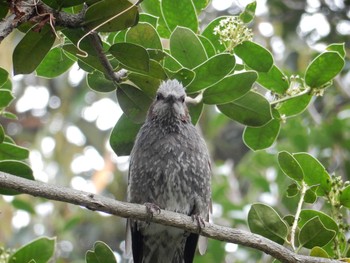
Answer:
x=101 y=253
x=219 y=65
x=39 y=251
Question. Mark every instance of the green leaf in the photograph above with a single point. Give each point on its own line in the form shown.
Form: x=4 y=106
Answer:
x=265 y=221
x=186 y=48
x=345 y=197
x=255 y=56
x=314 y=233
x=292 y=190
x=314 y=172
x=102 y=253
x=184 y=75
x=323 y=69
x=39 y=251
x=148 y=18
x=208 y=46
x=310 y=195
x=274 y=80
x=337 y=47
x=208 y=32
x=258 y=138
x=97 y=81
x=15 y=168
x=144 y=35
x=211 y=71
x=290 y=166
x=133 y=56
x=12 y=152
x=249 y=12
x=201 y=4
x=123 y=136
x=294 y=106
x=252 y=109
x=195 y=111
x=179 y=13
x=152 y=7
x=120 y=15
x=229 y=88
x=23 y=205
x=133 y=102
x=149 y=85
x=54 y=64
x=318 y=252
x=327 y=221
x=4 y=76
x=9 y=115
x=5 y=98
x=4 y=8
x=32 y=49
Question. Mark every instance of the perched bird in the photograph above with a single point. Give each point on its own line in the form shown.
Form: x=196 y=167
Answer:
x=169 y=169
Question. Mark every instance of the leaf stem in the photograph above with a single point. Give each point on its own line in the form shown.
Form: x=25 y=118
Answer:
x=288 y=97
x=297 y=214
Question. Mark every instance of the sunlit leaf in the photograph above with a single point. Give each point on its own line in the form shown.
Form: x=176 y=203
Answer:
x=5 y=97
x=290 y=166
x=274 y=80
x=145 y=35
x=120 y=14
x=255 y=56
x=133 y=56
x=133 y=102
x=314 y=233
x=314 y=172
x=39 y=251
x=252 y=109
x=211 y=71
x=55 y=63
x=323 y=69
x=229 y=88
x=184 y=16
x=32 y=49
x=123 y=136
x=98 y=82
x=265 y=221
x=186 y=48
x=100 y=253
x=258 y=138
x=249 y=12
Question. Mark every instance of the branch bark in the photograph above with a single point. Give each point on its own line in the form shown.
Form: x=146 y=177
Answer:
x=27 y=10
x=128 y=210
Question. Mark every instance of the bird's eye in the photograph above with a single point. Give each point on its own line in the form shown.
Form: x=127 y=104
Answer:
x=159 y=96
x=182 y=99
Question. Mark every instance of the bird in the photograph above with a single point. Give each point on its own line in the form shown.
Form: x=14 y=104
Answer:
x=169 y=169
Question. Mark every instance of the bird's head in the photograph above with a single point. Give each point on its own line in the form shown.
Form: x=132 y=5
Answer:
x=170 y=102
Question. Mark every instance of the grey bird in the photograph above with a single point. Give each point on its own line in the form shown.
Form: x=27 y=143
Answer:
x=169 y=169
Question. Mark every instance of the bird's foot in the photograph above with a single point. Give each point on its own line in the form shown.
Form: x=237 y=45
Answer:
x=200 y=222
x=151 y=209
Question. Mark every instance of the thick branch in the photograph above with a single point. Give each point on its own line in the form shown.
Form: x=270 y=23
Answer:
x=128 y=210
x=32 y=10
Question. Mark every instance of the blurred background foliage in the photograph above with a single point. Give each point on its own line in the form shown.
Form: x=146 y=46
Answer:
x=66 y=126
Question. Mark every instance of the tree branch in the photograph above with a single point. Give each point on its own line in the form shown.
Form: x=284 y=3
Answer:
x=128 y=210
x=32 y=10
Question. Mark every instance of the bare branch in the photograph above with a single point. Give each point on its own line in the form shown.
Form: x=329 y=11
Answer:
x=128 y=210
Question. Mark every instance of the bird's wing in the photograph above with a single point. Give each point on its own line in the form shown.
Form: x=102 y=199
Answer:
x=137 y=242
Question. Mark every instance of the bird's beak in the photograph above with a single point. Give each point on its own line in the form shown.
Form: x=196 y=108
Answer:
x=170 y=99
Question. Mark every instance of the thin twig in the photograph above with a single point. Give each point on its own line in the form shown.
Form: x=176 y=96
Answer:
x=135 y=211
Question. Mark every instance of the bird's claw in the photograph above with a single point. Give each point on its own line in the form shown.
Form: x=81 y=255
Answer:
x=151 y=209
x=200 y=221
